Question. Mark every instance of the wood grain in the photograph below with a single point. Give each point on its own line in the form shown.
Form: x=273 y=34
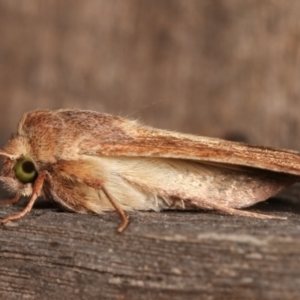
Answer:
x=169 y=255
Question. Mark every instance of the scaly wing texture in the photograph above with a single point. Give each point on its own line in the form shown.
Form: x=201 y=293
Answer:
x=113 y=136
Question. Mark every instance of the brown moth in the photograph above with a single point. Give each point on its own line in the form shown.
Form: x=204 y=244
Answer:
x=91 y=162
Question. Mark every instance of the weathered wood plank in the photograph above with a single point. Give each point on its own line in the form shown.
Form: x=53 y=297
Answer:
x=168 y=255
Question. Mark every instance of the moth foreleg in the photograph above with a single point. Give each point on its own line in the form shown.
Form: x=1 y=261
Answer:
x=119 y=210
x=95 y=180
x=37 y=189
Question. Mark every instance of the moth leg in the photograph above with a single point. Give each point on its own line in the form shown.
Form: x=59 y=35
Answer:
x=119 y=210
x=37 y=188
x=237 y=212
x=11 y=201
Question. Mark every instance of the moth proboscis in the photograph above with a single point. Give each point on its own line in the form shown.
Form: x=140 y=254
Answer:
x=92 y=162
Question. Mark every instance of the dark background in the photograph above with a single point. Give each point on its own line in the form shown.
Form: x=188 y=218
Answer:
x=206 y=67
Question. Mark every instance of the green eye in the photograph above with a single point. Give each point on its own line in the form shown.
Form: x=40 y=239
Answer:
x=25 y=170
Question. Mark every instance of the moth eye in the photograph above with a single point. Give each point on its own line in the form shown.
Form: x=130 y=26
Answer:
x=25 y=170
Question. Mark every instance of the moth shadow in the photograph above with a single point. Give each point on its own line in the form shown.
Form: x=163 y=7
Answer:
x=41 y=203
x=44 y=203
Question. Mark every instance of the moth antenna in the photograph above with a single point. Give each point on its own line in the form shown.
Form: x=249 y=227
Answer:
x=119 y=210
x=37 y=189
x=143 y=108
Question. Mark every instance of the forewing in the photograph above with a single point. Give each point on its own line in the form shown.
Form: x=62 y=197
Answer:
x=130 y=139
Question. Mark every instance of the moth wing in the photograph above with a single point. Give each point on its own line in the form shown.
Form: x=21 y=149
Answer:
x=135 y=140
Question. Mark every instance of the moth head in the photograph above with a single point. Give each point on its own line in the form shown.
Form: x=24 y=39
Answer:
x=18 y=173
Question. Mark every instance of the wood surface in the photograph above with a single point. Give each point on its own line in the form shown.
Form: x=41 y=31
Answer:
x=51 y=254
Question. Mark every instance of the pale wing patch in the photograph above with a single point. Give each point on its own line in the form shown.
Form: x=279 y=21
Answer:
x=129 y=196
x=197 y=182
x=153 y=184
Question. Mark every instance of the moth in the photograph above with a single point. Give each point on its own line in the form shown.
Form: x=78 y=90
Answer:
x=92 y=162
